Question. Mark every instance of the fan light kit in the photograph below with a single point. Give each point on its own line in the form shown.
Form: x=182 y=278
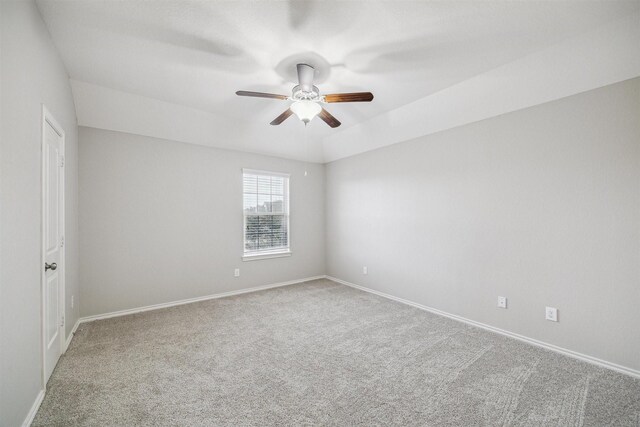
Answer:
x=307 y=99
x=306 y=110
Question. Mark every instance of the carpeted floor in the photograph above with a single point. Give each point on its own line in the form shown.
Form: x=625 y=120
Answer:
x=321 y=353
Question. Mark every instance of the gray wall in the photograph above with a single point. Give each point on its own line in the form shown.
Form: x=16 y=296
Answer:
x=541 y=206
x=32 y=74
x=162 y=221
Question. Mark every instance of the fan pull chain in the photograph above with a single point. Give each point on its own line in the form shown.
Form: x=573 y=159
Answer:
x=306 y=149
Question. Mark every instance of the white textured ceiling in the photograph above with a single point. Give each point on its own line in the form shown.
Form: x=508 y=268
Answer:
x=196 y=54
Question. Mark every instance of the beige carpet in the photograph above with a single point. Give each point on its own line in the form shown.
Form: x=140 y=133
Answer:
x=321 y=353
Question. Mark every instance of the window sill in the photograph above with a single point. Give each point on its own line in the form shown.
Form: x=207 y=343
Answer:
x=268 y=255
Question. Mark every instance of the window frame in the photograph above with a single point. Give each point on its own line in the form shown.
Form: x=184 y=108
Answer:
x=249 y=255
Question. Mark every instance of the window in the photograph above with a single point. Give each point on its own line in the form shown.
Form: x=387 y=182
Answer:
x=266 y=214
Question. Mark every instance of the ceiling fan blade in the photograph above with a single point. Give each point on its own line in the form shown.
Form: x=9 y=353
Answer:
x=349 y=97
x=282 y=117
x=261 y=95
x=305 y=77
x=329 y=119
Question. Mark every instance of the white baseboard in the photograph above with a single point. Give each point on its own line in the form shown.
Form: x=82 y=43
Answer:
x=593 y=360
x=34 y=409
x=191 y=300
x=70 y=337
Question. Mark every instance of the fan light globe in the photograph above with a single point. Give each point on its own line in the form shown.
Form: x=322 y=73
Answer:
x=306 y=110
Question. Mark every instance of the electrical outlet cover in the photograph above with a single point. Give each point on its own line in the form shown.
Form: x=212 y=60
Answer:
x=551 y=313
x=502 y=302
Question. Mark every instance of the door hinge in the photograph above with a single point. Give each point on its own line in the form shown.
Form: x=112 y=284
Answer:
x=62 y=241
x=62 y=322
x=61 y=161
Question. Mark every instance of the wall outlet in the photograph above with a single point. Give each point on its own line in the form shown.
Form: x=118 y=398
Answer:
x=551 y=313
x=236 y=272
x=502 y=302
x=71 y=301
x=365 y=270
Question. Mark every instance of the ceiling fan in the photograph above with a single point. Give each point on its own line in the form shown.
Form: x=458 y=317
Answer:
x=307 y=99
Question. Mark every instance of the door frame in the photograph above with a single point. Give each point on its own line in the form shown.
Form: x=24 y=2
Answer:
x=48 y=119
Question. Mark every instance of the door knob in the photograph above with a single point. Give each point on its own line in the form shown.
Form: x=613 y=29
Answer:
x=51 y=266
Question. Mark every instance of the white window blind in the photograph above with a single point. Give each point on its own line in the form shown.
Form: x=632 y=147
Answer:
x=266 y=212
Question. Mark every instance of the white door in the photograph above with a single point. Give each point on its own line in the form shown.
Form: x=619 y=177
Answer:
x=53 y=251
